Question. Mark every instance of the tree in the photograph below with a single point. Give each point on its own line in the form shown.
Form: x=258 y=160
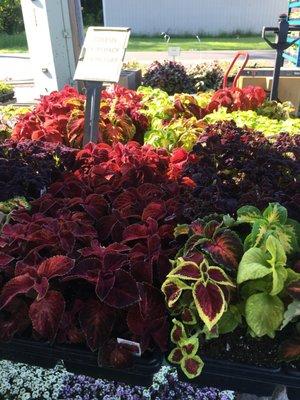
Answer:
x=92 y=12
x=11 y=18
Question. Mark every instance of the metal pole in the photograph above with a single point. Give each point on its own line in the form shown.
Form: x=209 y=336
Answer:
x=92 y=113
x=283 y=30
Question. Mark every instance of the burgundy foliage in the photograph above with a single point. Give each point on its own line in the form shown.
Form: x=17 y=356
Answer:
x=232 y=167
x=113 y=221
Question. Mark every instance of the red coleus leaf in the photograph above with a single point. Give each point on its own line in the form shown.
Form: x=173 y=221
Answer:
x=97 y=321
x=96 y=206
x=19 y=285
x=124 y=291
x=225 y=249
x=115 y=355
x=46 y=314
x=210 y=302
x=294 y=290
x=155 y=210
x=140 y=231
x=86 y=269
x=55 y=266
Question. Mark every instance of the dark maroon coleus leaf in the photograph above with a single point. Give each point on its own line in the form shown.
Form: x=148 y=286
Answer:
x=46 y=314
x=97 y=321
x=55 y=266
x=5 y=259
x=16 y=322
x=155 y=210
x=123 y=293
x=96 y=206
x=147 y=319
x=115 y=355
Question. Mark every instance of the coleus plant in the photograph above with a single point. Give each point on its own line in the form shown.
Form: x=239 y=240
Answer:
x=197 y=288
x=264 y=275
x=27 y=168
x=7 y=207
x=85 y=264
x=233 y=167
x=59 y=117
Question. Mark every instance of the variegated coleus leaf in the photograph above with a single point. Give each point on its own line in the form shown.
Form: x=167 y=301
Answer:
x=186 y=348
x=188 y=316
x=191 y=366
x=186 y=270
x=178 y=333
x=172 y=288
x=210 y=302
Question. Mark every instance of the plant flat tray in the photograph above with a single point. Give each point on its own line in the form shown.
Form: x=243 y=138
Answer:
x=80 y=361
x=227 y=375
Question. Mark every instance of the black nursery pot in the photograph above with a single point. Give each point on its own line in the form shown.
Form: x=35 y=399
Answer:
x=228 y=375
x=80 y=361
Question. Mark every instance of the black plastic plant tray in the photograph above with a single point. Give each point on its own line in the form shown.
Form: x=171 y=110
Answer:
x=80 y=361
x=227 y=375
x=6 y=97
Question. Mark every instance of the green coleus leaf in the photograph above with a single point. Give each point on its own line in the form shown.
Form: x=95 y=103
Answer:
x=291 y=312
x=178 y=333
x=190 y=346
x=277 y=262
x=172 y=288
x=257 y=263
x=292 y=276
x=188 y=317
x=248 y=214
x=185 y=270
x=254 y=265
x=210 y=333
x=230 y=320
x=192 y=366
x=176 y=356
x=210 y=302
x=264 y=314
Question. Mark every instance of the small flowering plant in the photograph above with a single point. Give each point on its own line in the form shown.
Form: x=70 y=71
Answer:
x=197 y=289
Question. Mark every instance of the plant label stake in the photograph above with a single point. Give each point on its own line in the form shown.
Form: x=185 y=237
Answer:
x=174 y=52
x=100 y=60
x=280 y=46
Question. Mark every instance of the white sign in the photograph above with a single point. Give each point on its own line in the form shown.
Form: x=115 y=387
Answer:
x=174 y=51
x=102 y=54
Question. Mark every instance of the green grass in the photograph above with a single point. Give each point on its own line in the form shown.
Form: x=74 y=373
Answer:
x=191 y=43
x=17 y=43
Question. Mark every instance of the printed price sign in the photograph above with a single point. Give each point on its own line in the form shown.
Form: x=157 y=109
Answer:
x=102 y=54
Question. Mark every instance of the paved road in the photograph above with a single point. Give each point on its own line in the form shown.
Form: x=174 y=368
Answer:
x=18 y=66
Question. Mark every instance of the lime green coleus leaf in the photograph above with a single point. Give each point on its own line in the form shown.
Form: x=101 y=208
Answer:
x=257 y=263
x=264 y=314
x=192 y=366
x=181 y=230
x=230 y=320
x=275 y=213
